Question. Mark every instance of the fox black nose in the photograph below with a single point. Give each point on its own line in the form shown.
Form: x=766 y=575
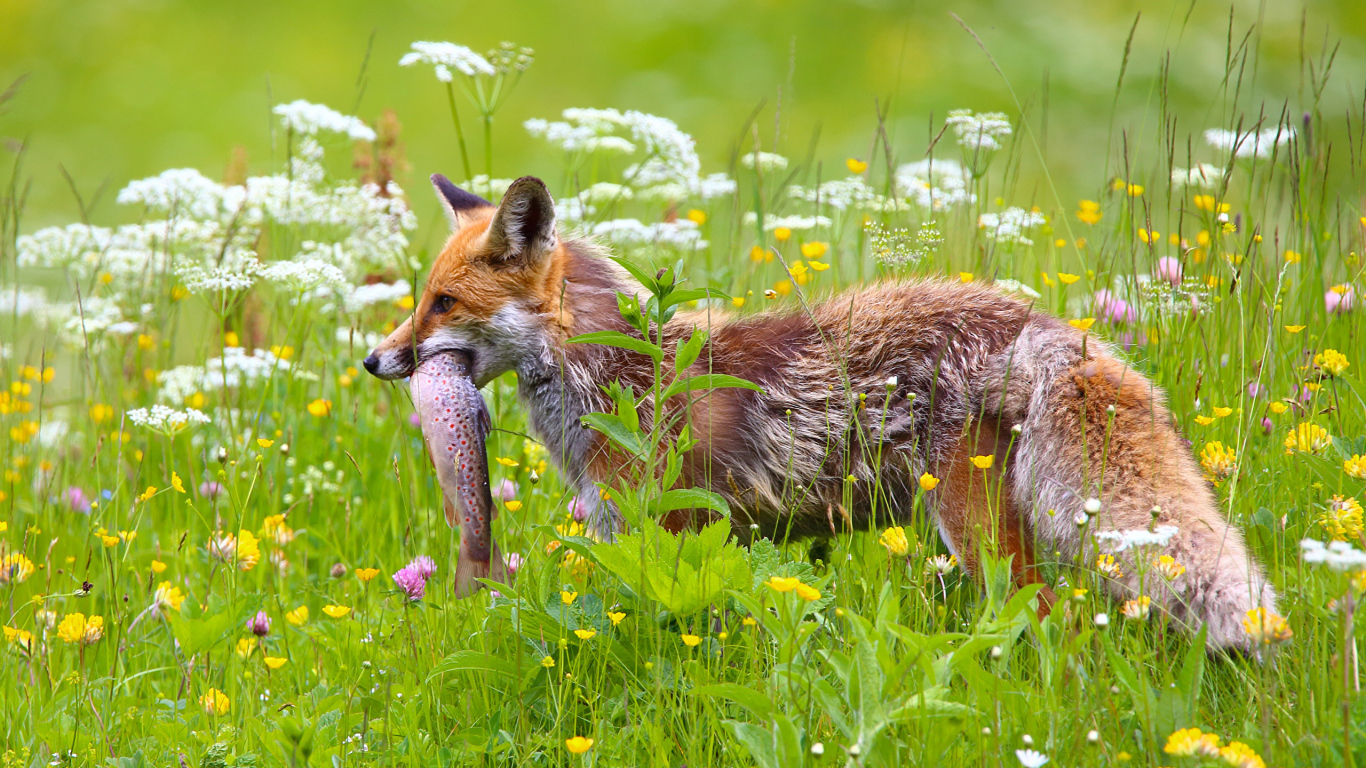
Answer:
x=371 y=363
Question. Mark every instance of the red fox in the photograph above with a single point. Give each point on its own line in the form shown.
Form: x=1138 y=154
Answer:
x=862 y=394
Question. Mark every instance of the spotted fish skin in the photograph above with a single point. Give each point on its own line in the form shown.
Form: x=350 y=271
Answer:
x=455 y=423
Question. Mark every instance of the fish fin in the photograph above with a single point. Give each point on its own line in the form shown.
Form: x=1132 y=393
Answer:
x=468 y=569
x=451 y=514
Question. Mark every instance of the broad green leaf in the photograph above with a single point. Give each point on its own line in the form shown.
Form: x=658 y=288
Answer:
x=757 y=703
x=688 y=351
x=619 y=339
x=610 y=425
x=708 y=381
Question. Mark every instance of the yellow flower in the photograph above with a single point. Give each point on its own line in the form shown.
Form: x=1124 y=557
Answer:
x=616 y=617
x=964 y=277
x=738 y=301
x=894 y=539
x=298 y=617
x=1192 y=742
x=1355 y=467
x=1343 y=519
x=1068 y=279
x=366 y=574
x=692 y=641
x=1266 y=628
x=1088 y=212
x=1218 y=461
x=928 y=481
x=20 y=637
x=248 y=550
x=1107 y=565
x=320 y=407
x=1222 y=412
x=855 y=165
x=76 y=628
x=336 y=611
x=245 y=646
x=749 y=621
x=578 y=744
x=1331 y=362
x=264 y=443
x=1138 y=608
x=782 y=234
x=158 y=566
x=1294 y=328
x=149 y=493
x=567 y=597
x=1082 y=324
x=1135 y=190
x=548 y=662
x=1239 y=755
x=781 y=288
x=1168 y=568
x=275 y=662
x=176 y=483
x=169 y=595
x=513 y=505
x=1307 y=438
x=505 y=461
x=585 y=634
x=100 y=413
x=696 y=216
x=808 y=592
x=284 y=353
x=109 y=541
x=757 y=253
x=814 y=250
x=215 y=702
x=1278 y=407
x=783 y=583
x=769 y=293
x=15 y=568
x=983 y=462
x=818 y=265
x=230 y=339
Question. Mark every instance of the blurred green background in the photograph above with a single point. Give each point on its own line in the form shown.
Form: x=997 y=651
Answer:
x=121 y=89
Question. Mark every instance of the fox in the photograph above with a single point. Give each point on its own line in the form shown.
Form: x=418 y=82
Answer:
x=1040 y=436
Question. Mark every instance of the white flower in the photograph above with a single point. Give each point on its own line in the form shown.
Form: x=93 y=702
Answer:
x=363 y=296
x=605 y=192
x=1339 y=556
x=486 y=187
x=1101 y=621
x=304 y=275
x=167 y=421
x=933 y=184
x=1015 y=286
x=979 y=132
x=839 y=194
x=764 y=161
x=310 y=119
x=1030 y=758
x=1138 y=537
x=445 y=57
x=794 y=223
x=1091 y=506
x=1202 y=176
x=197 y=279
x=609 y=145
x=682 y=234
x=1250 y=143
x=234 y=369
x=183 y=191
x=1009 y=226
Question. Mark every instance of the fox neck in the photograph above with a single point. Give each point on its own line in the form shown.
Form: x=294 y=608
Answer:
x=560 y=383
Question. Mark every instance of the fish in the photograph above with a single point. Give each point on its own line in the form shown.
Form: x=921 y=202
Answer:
x=455 y=423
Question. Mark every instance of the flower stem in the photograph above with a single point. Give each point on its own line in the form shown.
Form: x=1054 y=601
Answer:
x=459 y=134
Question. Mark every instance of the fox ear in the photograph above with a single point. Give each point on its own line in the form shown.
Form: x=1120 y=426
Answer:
x=459 y=204
x=522 y=232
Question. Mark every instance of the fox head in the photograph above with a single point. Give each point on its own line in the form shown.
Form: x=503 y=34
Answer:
x=491 y=293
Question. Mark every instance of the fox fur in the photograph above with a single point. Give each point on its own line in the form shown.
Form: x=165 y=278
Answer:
x=861 y=393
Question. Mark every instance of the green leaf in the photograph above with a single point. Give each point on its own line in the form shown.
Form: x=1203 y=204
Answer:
x=619 y=339
x=473 y=661
x=708 y=381
x=692 y=294
x=757 y=703
x=644 y=278
x=690 y=498
x=617 y=432
x=688 y=351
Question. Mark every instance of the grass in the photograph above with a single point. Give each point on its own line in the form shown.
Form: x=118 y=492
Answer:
x=172 y=535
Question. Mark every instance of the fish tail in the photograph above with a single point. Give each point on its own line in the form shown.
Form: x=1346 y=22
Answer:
x=468 y=568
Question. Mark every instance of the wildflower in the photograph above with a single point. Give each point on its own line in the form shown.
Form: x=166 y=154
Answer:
x=964 y=277
x=158 y=566
x=15 y=568
x=215 y=702
x=1011 y=226
x=783 y=583
x=1131 y=538
x=981 y=132
x=166 y=421
x=1101 y=621
x=585 y=634
x=814 y=250
x=412 y=581
x=855 y=165
x=983 y=462
x=76 y=628
x=366 y=574
x=274 y=662
x=259 y=624
x=616 y=617
x=1113 y=308
x=1192 y=742
x=1068 y=279
x=1218 y=461
x=1088 y=212
x=1250 y=143
x=577 y=745
x=894 y=539
x=245 y=646
x=568 y=597
x=20 y=637
x=1169 y=271
x=1083 y=324
x=1343 y=519
x=1108 y=566
x=1137 y=609
x=513 y=505
x=320 y=407
x=168 y=596
x=692 y=641
x=943 y=564
x=1240 y=755
x=210 y=489
x=298 y=617
x=1331 y=362
x=696 y=216
x=275 y=528
x=808 y=592
x=1167 y=567
x=336 y=611
x=1266 y=628
x=548 y=662
x=1355 y=467
x=1307 y=438
x=1339 y=299
x=928 y=481
x=1030 y=758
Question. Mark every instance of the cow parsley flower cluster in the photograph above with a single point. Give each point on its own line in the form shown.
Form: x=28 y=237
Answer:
x=934 y=185
x=632 y=233
x=167 y=421
x=184 y=191
x=1250 y=143
x=311 y=119
x=234 y=369
x=446 y=57
x=1339 y=556
x=840 y=194
x=1010 y=226
x=1137 y=537
x=1201 y=176
x=981 y=132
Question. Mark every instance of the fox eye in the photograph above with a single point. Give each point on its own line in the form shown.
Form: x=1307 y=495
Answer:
x=443 y=303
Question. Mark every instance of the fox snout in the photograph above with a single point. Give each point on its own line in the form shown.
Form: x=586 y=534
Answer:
x=391 y=360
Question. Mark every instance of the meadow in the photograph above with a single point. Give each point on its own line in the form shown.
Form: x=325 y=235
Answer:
x=222 y=543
